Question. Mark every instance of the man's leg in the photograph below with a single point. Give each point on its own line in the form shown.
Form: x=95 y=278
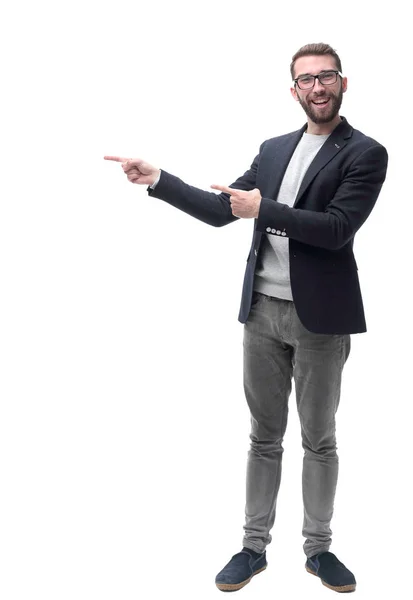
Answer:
x=318 y=364
x=267 y=384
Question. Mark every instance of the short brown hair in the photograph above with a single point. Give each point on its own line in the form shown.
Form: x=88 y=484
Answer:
x=315 y=50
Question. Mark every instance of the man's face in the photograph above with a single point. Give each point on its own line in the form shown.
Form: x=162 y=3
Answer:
x=322 y=102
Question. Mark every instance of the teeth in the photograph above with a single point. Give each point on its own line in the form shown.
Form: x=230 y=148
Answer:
x=321 y=102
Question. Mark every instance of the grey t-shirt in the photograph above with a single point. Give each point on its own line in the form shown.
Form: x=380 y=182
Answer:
x=272 y=275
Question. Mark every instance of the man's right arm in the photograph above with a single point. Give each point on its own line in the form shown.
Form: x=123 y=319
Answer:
x=213 y=209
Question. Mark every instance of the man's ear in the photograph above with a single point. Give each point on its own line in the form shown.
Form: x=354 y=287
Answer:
x=294 y=93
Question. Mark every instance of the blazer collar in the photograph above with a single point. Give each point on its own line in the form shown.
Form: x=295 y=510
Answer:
x=283 y=153
x=333 y=145
x=343 y=129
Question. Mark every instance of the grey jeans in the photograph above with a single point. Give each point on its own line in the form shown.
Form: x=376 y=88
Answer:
x=278 y=347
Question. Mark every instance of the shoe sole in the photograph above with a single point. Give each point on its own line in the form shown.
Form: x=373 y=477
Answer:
x=233 y=587
x=337 y=588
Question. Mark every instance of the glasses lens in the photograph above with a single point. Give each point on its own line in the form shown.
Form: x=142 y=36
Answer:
x=328 y=77
x=306 y=82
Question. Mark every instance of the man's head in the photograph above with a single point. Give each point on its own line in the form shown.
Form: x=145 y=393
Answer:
x=321 y=100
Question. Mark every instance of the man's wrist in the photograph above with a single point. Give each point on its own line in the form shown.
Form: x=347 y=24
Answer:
x=257 y=210
x=155 y=183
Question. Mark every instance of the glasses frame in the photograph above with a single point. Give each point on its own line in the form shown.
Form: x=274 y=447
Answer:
x=317 y=77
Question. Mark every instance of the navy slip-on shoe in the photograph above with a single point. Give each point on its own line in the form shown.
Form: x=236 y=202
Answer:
x=331 y=571
x=239 y=571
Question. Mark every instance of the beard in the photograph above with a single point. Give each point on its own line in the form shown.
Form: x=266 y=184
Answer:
x=318 y=116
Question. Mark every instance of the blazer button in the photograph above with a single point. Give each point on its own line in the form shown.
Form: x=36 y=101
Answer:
x=268 y=230
x=272 y=230
x=278 y=232
x=283 y=233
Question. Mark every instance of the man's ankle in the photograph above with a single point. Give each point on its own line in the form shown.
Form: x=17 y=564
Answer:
x=253 y=553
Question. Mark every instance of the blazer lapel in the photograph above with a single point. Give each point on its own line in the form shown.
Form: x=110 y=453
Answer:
x=281 y=157
x=334 y=145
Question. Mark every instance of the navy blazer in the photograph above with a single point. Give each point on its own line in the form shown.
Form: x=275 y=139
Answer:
x=337 y=194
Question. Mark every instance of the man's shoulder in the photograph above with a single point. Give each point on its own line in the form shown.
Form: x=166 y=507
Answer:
x=354 y=137
x=280 y=141
x=363 y=140
x=364 y=147
x=285 y=137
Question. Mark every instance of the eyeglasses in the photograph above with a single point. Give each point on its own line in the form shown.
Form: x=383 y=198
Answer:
x=306 y=82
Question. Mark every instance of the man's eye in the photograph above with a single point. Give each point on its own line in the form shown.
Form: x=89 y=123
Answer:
x=328 y=76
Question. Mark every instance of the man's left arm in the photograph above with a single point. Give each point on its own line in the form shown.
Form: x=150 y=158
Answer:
x=344 y=215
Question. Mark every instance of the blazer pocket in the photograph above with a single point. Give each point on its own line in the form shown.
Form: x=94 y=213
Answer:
x=340 y=268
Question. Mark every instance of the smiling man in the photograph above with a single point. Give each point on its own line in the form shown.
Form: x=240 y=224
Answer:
x=309 y=192
x=319 y=91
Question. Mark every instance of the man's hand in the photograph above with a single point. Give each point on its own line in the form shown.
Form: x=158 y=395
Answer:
x=245 y=205
x=137 y=170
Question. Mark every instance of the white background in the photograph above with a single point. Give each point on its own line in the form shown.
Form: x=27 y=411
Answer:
x=124 y=429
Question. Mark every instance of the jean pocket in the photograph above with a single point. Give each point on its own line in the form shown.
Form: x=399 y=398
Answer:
x=256 y=296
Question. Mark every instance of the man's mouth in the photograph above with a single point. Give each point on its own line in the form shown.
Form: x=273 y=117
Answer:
x=321 y=101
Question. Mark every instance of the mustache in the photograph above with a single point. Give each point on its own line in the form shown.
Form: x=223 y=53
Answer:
x=321 y=95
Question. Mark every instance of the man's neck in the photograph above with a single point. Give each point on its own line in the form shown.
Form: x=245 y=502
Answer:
x=323 y=128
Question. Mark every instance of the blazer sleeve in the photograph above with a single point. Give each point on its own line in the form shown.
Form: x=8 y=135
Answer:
x=209 y=207
x=344 y=215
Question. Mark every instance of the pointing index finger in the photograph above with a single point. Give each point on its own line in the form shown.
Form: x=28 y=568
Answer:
x=116 y=158
x=224 y=188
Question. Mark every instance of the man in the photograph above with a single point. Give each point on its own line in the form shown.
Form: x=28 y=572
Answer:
x=309 y=192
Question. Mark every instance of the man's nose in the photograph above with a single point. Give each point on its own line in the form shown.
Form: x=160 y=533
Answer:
x=318 y=86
